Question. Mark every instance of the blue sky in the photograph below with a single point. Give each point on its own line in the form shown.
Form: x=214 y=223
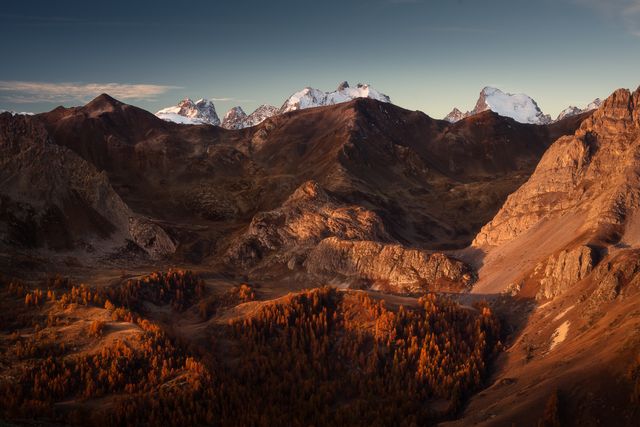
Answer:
x=426 y=55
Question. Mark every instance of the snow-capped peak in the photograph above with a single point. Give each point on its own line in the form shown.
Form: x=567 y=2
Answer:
x=188 y=112
x=594 y=105
x=260 y=114
x=574 y=111
x=234 y=119
x=519 y=107
x=455 y=115
x=16 y=113
x=310 y=97
x=203 y=110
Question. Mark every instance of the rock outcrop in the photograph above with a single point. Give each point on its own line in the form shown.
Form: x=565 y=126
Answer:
x=285 y=235
x=151 y=238
x=559 y=272
x=386 y=266
x=616 y=277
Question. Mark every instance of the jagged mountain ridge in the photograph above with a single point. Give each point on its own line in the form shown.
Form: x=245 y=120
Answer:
x=188 y=113
x=310 y=97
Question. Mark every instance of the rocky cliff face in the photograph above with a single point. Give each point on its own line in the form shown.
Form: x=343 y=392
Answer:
x=388 y=267
x=329 y=240
x=570 y=178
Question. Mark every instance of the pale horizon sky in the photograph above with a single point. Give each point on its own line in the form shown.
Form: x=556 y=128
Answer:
x=426 y=55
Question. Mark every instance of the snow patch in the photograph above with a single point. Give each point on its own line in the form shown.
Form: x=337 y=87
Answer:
x=560 y=334
x=561 y=315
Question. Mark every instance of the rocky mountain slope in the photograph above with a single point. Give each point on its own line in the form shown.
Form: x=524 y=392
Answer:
x=565 y=245
x=54 y=200
x=567 y=181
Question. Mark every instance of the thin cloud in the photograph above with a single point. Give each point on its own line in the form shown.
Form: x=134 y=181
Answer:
x=232 y=100
x=404 y=1
x=461 y=30
x=626 y=12
x=63 y=20
x=33 y=92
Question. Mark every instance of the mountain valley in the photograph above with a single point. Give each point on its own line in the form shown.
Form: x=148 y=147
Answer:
x=337 y=260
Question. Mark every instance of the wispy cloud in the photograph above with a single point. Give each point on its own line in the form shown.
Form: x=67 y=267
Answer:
x=32 y=92
x=403 y=1
x=231 y=99
x=626 y=12
x=40 y=20
x=454 y=29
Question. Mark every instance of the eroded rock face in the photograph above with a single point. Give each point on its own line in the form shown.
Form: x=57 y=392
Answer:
x=151 y=238
x=617 y=277
x=570 y=178
x=561 y=271
x=388 y=266
x=306 y=217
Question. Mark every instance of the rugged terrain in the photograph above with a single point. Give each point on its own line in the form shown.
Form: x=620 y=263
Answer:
x=385 y=204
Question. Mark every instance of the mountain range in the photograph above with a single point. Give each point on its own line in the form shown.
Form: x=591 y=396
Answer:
x=520 y=107
x=187 y=112
x=488 y=266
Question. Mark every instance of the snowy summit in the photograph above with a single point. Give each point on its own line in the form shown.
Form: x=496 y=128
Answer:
x=520 y=107
x=193 y=113
x=574 y=111
x=204 y=112
x=310 y=97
